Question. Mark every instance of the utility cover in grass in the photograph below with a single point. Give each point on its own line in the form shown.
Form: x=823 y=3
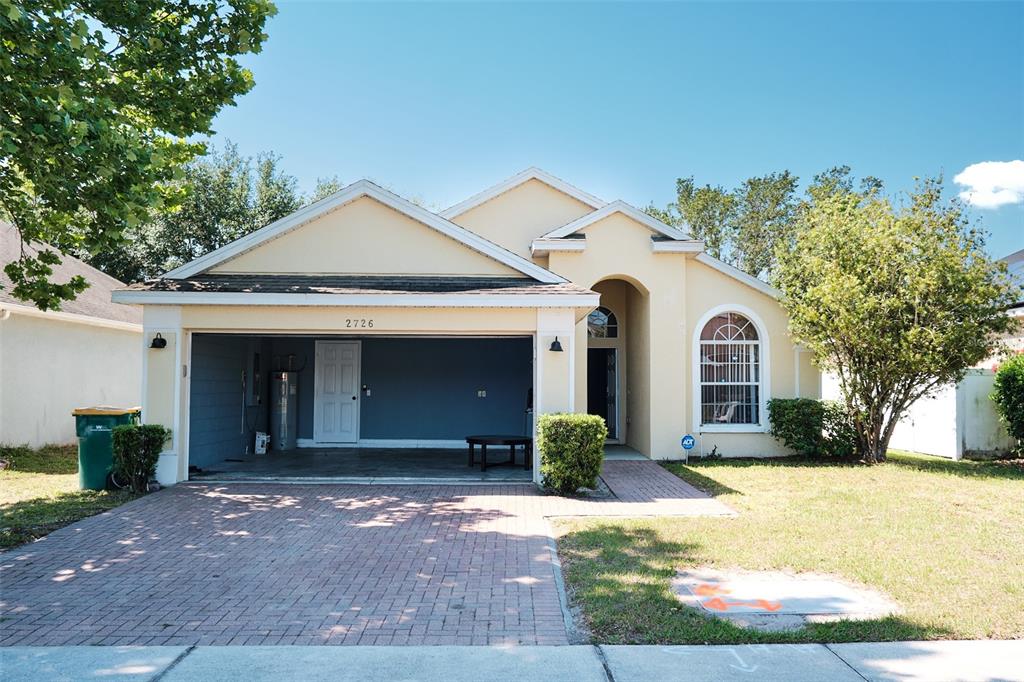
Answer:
x=773 y=600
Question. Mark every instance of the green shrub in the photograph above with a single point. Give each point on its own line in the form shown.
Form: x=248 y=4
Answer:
x=571 y=448
x=813 y=428
x=136 y=451
x=1008 y=395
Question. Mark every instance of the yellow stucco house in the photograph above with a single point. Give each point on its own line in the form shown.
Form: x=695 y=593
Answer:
x=366 y=322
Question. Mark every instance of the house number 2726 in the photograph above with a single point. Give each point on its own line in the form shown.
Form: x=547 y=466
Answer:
x=358 y=324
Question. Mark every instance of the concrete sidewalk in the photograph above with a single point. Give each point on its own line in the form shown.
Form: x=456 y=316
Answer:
x=967 y=661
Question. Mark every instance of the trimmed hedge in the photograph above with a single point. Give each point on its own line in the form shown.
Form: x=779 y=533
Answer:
x=1008 y=395
x=813 y=428
x=571 y=448
x=136 y=451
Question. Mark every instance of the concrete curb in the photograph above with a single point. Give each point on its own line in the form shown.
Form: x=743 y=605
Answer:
x=969 y=661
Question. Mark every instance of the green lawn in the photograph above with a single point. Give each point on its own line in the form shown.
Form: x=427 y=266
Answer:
x=39 y=493
x=945 y=540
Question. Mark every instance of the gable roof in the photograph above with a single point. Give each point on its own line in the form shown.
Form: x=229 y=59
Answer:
x=93 y=302
x=622 y=207
x=357 y=190
x=532 y=173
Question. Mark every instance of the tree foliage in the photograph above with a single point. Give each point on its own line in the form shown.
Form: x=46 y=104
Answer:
x=746 y=225
x=1008 y=396
x=224 y=196
x=97 y=102
x=896 y=300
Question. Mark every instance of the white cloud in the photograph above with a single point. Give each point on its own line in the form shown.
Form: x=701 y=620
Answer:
x=991 y=184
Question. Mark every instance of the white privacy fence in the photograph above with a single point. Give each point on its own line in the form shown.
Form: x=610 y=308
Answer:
x=954 y=421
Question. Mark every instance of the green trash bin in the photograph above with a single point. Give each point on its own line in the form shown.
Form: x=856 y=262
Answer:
x=93 y=426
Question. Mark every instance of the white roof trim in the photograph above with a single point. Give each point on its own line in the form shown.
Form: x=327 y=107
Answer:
x=736 y=273
x=691 y=246
x=357 y=190
x=403 y=300
x=61 y=316
x=622 y=207
x=542 y=246
x=532 y=173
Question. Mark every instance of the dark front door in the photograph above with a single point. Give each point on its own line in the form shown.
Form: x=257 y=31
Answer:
x=601 y=386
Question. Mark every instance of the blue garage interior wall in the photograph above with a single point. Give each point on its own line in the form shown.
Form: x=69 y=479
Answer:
x=420 y=388
x=427 y=388
x=220 y=424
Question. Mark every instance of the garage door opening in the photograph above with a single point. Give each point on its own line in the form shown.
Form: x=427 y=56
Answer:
x=337 y=407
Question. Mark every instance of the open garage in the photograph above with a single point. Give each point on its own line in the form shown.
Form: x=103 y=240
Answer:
x=355 y=406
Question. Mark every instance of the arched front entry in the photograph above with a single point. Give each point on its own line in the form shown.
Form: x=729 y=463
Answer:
x=617 y=363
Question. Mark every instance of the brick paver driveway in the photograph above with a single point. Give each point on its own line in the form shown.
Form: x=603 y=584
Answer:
x=259 y=563
x=292 y=564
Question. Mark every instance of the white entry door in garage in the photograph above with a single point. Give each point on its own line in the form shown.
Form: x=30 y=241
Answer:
x=336 y=397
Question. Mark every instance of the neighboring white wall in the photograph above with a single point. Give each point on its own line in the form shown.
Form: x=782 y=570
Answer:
x=982 y=433
x=930 y=425
x=50 y=366
x=952 y=422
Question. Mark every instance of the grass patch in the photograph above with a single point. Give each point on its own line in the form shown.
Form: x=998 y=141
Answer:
x=39 y=493
x=943 y=539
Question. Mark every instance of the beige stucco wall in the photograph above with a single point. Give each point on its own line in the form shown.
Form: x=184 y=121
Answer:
x=517 y=217
x=48 y=367
x=366 y=237
x=300 y=319
x=666 y=296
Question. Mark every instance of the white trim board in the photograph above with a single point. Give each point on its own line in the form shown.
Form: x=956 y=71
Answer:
x=532 y=173
x=383 y=443
x=692 y=246
x=357 y=190
x=542 y=246
x=60 y=316
x=625 y=209
x=358 y=300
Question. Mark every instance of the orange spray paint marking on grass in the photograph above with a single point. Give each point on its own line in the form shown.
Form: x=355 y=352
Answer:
x=709 y=590
x=719 y=604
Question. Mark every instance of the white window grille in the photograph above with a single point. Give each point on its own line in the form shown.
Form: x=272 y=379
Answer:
x=730 y=371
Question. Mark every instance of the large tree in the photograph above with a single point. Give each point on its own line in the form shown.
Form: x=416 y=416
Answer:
x=225 y=196
x=740 y=226
x=707 y=213
x=896 y=300
x=98 y=101
x=745 y=226
x=765 y=209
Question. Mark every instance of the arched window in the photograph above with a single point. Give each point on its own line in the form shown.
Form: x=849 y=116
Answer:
x=601 y=324
x=730 y=371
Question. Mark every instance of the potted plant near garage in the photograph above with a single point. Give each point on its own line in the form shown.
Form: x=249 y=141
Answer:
x=136 y=451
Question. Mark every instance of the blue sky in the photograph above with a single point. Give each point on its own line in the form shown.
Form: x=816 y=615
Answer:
x=438 y=101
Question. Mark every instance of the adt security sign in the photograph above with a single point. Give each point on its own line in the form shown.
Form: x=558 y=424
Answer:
x=688 y=442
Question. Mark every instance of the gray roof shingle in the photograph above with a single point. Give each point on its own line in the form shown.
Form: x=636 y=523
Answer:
x=94 y=301
x=357 y=284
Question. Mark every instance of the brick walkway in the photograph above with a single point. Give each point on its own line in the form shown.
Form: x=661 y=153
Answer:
x=313 y=564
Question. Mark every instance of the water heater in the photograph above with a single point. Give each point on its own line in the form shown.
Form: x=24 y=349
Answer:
x=284 y=399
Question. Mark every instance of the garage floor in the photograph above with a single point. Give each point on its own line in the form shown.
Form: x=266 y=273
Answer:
x=382 y=464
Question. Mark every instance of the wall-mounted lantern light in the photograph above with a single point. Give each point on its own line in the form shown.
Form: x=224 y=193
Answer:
x=158 y=341
x=556 y=346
